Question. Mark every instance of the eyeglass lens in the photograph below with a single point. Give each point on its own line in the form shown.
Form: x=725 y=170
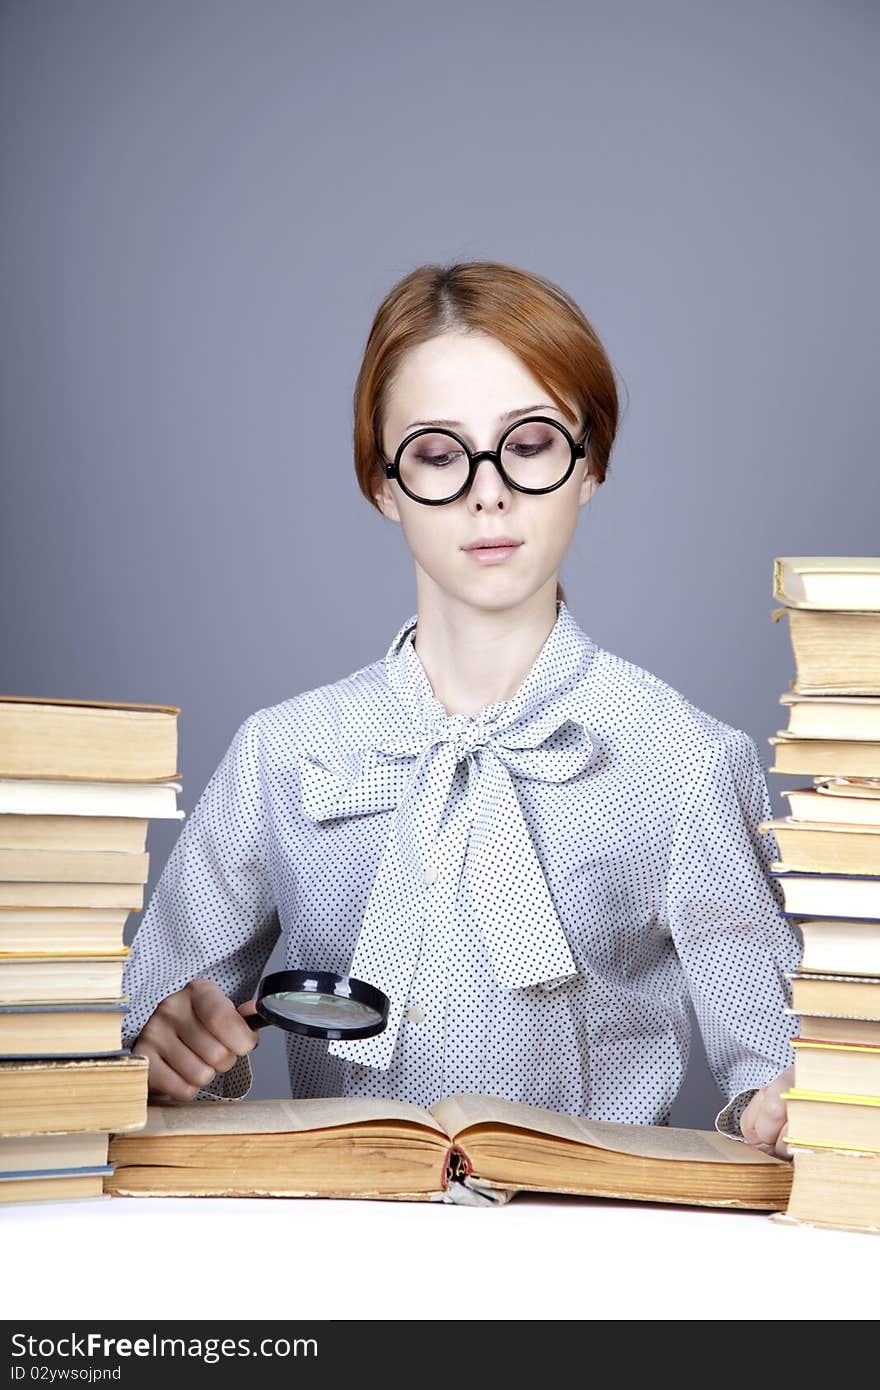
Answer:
x=435 y=466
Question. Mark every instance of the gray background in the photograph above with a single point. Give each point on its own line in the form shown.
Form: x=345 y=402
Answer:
x=204 y=203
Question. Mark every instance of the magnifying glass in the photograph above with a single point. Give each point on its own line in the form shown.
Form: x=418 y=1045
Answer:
x=320 y=1004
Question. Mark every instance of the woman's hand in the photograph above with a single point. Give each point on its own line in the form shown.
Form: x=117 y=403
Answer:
x=764 y=1118
x=192 y=1036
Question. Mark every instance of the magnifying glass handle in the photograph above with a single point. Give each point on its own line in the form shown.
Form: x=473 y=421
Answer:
x=255 y=1021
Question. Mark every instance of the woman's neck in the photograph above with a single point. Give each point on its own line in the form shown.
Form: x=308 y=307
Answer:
x=476 y=657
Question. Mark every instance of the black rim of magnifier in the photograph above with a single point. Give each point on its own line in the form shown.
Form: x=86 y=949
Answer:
x=320 y=982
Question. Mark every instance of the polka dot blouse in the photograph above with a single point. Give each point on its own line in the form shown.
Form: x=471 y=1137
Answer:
x=539 y=889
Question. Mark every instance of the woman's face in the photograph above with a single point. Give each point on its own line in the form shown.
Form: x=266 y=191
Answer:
x=475 y=380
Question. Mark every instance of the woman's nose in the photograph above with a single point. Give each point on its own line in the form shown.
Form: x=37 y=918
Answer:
x=487 y=485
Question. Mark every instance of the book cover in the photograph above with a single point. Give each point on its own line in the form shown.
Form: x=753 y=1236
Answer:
x=73 y=797
x=89 y=740
x=50 y=1096
x=839 y=582
x=62 y=1029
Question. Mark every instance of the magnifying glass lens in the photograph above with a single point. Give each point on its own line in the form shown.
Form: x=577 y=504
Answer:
x=321 y=1010
x=320 y=1004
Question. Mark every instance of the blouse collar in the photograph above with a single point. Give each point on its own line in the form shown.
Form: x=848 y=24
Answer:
x=556 y=671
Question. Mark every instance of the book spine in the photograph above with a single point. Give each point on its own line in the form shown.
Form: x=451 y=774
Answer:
x=456 y=1165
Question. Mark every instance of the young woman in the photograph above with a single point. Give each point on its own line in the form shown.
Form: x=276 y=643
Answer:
x=537 y=849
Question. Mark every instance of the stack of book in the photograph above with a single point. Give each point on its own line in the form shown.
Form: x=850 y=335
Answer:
x=79 y=781
x=829 y=871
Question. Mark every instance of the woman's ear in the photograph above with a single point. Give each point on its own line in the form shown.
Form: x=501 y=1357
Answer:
x=588 y=487
x=386 y=501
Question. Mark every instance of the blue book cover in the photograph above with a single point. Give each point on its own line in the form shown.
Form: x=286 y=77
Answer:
x=56 y=1173
x=826 y=917
x=810 y=873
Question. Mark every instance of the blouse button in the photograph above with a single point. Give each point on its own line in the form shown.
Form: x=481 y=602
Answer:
x=415 y=1013
x=431 y=874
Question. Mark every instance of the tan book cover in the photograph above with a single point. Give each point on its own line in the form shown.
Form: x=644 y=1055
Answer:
x=824 y=757
x=467 y=1147
x=62 y=1028
x=74 y=866
x=820 y=848
x=97 y=895
x=833 y=1028
x=834 y=653
x=48 y=1096
x=48 y=1152
x=55 y=1187
x=62 y=929
x=49 y=1167
x=95 y=740
x=833 y=1187
x=82 y=834
x=848 y=1069
x=828 y=1120
x=52 y=1166
x=845 y=996
x=47 y=977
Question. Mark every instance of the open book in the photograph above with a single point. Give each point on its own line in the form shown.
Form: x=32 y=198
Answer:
x=468 y=1148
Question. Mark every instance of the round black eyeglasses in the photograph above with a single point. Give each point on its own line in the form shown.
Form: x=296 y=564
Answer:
x=534 y=455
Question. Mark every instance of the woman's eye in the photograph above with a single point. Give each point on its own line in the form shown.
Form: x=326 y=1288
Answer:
x=528 y=451
x=435 y=459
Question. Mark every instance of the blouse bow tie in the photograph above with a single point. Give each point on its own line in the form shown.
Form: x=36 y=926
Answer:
x=505 y=882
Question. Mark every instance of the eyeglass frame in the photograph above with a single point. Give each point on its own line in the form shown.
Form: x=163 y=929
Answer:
x=578 y=451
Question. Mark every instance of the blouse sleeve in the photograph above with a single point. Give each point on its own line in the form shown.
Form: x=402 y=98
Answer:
x=725 y=916
x=212 y=914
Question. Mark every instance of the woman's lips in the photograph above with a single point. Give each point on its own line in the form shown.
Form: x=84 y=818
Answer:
x=492 y=555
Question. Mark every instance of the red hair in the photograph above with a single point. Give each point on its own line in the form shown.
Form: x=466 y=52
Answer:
x=526 y=312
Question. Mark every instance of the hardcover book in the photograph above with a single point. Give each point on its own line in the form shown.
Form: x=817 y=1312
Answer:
x=52 y=1167
x=836 y=946
x=51 y=1096
x=88 y=740
x=813 y=847
x=834 y=1187
x=468 y=1148
x=835 y=653
x=46 y=977
x=62 y=1029
x=842 y=582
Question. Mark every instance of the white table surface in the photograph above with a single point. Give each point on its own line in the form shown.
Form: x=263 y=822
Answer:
x=538 y=1256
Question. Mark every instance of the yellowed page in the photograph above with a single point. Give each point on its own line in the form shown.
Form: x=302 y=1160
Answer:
x=840 y=786
x=459 y=1112
x=278 y=1116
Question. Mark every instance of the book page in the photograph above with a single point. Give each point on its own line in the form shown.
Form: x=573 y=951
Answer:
x=278 y=1116
x=866 y=787
x=459 y=1112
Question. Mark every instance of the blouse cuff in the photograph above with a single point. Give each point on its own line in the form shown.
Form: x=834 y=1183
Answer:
x=229 y=1085
x=728 y=1117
